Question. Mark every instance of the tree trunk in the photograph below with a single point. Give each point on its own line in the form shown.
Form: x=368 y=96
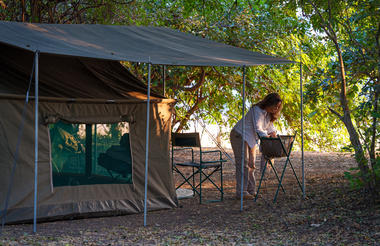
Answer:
x=200 y=98
x=373 y=142
x=347 y=120
x=359 y=153
x=189 y=113
x=35 y=13
x=375 y=109
x=23 y=10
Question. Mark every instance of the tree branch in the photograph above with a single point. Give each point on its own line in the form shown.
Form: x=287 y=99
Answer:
x=189 y=112
x=336 y=113
x=23 y=10
x=363 y=138
x=3 y=5
x=350 y=34
x=372 y=150
x=234 y=83
x=329 y=12
x=333 y=37
x=325 y=25
x=200 y=82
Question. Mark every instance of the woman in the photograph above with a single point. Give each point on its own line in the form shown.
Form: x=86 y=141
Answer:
x=258 y=120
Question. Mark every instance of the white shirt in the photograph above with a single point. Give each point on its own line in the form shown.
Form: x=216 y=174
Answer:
x=258 y=119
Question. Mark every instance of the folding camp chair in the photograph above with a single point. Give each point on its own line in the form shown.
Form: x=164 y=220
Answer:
x=275 y=148
x=189 y=142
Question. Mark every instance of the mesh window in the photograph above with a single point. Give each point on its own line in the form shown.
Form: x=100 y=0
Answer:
x=86 y=154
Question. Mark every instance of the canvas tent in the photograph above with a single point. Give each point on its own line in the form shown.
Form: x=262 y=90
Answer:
x=89 y=43
x=77 y=91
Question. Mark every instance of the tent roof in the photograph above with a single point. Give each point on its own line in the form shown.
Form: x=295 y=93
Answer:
x=157 y=45
x=68 y=77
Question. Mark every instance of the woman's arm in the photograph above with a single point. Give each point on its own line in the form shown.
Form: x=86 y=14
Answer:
x=271 y=130
x=259 y=119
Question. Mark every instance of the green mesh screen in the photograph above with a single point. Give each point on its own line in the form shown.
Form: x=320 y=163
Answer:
x=85 y=154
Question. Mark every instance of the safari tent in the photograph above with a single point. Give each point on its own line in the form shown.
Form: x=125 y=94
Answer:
x=86 y=106
x=80 y=88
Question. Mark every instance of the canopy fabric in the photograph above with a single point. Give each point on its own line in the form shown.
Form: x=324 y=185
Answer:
x=156 y=45
x=68 y=77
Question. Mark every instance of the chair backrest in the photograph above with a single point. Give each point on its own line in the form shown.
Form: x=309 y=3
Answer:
x=186 y=139
x=276 y=147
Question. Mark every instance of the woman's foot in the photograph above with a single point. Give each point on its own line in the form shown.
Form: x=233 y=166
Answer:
x=253 y=193
x=245 y=197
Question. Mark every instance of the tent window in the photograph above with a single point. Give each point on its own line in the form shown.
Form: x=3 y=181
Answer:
x=86 y=154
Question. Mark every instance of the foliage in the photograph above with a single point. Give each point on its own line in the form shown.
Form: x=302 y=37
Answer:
x=354 y=175
x=259 y=26
x=62 y=11
x=350 y=81
x=267 y=26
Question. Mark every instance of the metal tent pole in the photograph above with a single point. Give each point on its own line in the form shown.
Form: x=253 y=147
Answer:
x=35 y=142
x=147 y=143
x=163 y=80
x=303 y=163
x=95 y=145
x=242 y=146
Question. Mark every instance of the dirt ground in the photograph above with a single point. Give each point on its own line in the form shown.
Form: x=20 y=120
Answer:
x=331 y=214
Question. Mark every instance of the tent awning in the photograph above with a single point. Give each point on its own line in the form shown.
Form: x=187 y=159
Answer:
x=157 y=45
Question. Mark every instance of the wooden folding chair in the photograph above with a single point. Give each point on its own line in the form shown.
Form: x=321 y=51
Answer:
x=276 y=148
x=190 y=142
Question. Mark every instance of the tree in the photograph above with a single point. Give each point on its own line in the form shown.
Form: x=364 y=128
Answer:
x=62 y=11
x=352 y=28
x=214 y=94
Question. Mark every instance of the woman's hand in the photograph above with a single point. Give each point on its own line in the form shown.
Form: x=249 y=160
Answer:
x=273 y=135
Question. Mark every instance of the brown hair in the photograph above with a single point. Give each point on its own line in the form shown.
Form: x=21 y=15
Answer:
x=269 y=100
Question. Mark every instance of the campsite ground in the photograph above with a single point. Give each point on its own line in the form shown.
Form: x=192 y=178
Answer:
x=332 y=214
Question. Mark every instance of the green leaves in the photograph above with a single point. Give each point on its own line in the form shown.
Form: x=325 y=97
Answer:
x=287 y=29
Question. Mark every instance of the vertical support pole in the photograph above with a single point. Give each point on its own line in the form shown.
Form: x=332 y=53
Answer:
x=147 y=143
x=95 y=147
x=36 y=57
x=242 y=145
x=88 y=169
x=163 y=79
x=302 y=157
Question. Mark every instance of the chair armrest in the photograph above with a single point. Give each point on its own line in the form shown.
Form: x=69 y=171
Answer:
x=184 y=148
x=216 y=161
x=213 y=161
x=211 y=151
